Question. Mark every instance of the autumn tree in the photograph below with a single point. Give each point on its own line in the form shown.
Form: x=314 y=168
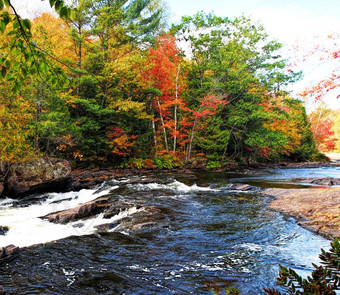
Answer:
x=235 y=62
x=322 y=123
x=166 y=75
x=31 y=60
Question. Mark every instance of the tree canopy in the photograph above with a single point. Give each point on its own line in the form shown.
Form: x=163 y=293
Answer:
x=104 y=81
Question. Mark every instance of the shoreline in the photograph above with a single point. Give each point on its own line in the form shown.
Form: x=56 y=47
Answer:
x=316 y=209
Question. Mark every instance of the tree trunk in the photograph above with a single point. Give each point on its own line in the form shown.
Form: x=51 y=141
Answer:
x=154 y=135
x=175 y=111
x=164 y=130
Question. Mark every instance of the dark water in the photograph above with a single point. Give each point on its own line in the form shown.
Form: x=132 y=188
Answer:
x=208 y=233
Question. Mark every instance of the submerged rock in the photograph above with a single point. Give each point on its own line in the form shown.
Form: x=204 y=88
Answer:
x=241 y=187
x=147 y=217
x=324 y=181
x=2 y=291
x=42 y=175
x=82 y=211
x=8 y=253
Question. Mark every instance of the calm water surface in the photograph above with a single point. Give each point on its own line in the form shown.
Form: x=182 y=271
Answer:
x=208 y=233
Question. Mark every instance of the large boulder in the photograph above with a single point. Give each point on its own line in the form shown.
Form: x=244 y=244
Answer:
x=39 y=176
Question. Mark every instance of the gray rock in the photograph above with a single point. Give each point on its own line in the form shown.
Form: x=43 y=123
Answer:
x=241 y=187
x=82 y=211
x=2 y=291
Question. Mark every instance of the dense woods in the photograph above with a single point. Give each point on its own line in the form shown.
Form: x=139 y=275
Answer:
x=110 y=82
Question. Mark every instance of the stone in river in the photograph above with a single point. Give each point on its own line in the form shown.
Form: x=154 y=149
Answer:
x=82 y=211
x=3 y=230
x=8 y=253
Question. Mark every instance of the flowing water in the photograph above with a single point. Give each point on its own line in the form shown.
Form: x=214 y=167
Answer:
x=207 y=233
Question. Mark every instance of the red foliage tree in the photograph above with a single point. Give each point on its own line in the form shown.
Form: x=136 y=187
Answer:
x=165 y=74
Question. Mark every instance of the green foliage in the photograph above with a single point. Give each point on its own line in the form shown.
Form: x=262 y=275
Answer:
x=167 y=161
x=22 y=57
x=121 y=108
x=213 y=165
x=324 y=279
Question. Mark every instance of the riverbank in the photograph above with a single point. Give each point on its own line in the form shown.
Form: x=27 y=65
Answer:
x=316 y=209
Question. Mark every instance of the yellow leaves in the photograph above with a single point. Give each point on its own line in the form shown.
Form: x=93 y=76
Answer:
x=127 y=105
x=52 y=34
x=78 y=155
x=14 y=129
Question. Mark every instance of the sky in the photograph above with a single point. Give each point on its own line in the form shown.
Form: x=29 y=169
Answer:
x=299 y=23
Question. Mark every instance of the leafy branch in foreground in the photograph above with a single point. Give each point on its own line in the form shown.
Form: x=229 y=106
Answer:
x=324 y=279
x=20 y=57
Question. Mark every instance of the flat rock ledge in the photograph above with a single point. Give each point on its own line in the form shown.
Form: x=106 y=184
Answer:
x=317 y=209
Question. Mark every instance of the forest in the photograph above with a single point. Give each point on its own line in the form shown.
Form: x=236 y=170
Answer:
x=113 y=83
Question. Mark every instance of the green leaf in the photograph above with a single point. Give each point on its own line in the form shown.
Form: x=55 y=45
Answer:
x=3 y=72
x=6 y=2
x=16 y=24
x=26 y=23
x=24 y=72
x=2 y=26
x=9 y=78
x=63 y=12
x=52 y=2
x=58 y=5
x=43 y=67
x=1 y=5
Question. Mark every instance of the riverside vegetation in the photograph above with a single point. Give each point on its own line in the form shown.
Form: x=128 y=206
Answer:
x=105 y=83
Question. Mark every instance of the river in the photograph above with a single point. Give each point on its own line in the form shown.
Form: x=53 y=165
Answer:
x=207 y=232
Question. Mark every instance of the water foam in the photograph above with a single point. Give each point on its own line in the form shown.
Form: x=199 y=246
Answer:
x=175 y=185
x=26 y=228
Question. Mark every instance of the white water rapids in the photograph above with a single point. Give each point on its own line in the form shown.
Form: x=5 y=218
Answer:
x=26 y=228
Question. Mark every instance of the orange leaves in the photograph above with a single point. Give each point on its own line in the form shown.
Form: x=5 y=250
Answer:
x=164 y=59
x=322 y=128
x=165 y=73
x=119 y=142
x=52 y=34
